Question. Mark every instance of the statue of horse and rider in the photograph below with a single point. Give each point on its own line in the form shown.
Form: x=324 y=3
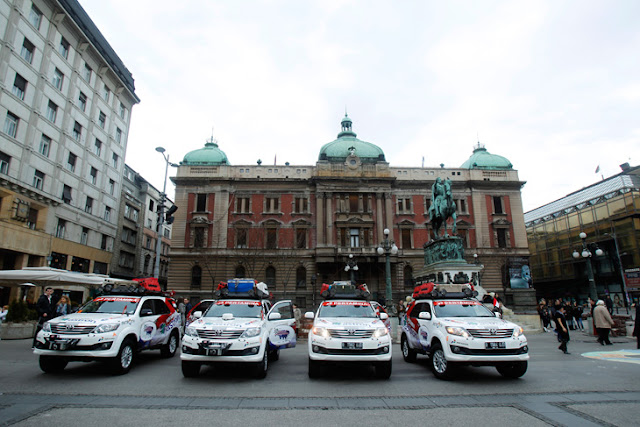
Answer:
x=442 y=207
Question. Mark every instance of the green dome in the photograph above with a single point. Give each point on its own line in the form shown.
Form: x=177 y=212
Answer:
x=482 y=159
x=209 y=155
x=347 y=144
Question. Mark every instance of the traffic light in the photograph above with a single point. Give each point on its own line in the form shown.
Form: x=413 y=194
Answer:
x=169 y=215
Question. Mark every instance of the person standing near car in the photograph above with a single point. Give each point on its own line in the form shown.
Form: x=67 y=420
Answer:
x=603 y=322
x=563 y=328
x=636 y=329
x=46 y=309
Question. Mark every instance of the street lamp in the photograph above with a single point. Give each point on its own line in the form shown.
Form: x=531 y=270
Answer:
x=587 y=254
x=163 y=198
x=388 y=247
x=352 y=266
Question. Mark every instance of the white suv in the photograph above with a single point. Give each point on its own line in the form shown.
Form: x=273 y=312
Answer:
x=110 y=328
x=348 y=330
x=246 y=330
x=455 y=330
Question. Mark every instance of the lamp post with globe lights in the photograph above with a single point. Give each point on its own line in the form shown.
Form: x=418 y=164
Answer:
x=352 y=266
x=387 y=247
x=587 y=254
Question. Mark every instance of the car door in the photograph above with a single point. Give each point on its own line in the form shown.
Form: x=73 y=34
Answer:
x=148 y=323
x=281 y=331
x=417 y=330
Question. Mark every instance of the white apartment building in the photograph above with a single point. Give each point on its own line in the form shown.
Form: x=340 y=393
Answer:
x=65 y=109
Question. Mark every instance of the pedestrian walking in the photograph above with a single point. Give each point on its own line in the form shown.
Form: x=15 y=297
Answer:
x=603 y=322
x=636 y=329
x=183 y=315
x=63 y=307
x=609 y=303
x=577 y=315
x=45 y=307
x=543 y=312
x=563 y=329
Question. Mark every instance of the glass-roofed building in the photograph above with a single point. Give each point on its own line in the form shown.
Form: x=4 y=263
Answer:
x=608 y=212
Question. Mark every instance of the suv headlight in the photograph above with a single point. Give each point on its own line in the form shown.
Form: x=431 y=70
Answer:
x=46 y=327
x=380 y=332
x=251 y=332
x=517 y=332
x=191 y=331
x=106 y=327
x=323 y=332
x=461 y=332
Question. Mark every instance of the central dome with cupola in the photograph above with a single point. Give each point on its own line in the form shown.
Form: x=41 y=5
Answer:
x=348 y=145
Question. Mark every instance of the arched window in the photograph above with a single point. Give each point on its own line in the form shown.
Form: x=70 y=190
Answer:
x=196 y=277
x=240 y=272
x=270 y=274
x=408 y=276
x=301 y=277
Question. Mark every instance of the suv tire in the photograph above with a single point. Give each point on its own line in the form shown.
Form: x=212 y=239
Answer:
x=440 y=366
x=512 y=369
x=408 y=354
x=315 y=368
x=274 y=355
x=383 y=370
x=51 y=364
x=190 y=369
x=260 y=368
x=121 y=364
x=169 y=349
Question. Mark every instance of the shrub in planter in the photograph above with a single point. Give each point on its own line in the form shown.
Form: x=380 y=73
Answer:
x=18 y=312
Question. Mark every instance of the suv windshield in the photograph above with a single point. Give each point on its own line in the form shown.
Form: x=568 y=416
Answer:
x=237 y=308
x=461 y=309
x=112 y=305
x=346 y=309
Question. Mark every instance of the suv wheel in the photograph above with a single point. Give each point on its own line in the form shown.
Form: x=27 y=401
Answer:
x=121 y=364
x=274 y=355
x=383 y=370
x=190 y=369
x=260 y=368
x=408 y=354
x=512 y=369
x=169 y=349
x=315 y=368
x=441 y=367
x=51 y=364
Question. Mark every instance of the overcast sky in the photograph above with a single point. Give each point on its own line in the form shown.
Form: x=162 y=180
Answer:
x=554 y=86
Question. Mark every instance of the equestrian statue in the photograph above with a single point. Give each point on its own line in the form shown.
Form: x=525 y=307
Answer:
x=442 y=207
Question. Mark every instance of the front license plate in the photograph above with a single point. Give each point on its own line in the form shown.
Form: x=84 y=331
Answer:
x=491 y=345
x=58 y=346
x=352 y=345
x=214 y=352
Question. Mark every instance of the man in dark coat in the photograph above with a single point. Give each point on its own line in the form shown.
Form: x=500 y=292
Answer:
x=636 y=329
x=563 y=328
x=46 y=309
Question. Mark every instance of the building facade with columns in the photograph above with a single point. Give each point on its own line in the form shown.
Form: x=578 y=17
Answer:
x=295 y=226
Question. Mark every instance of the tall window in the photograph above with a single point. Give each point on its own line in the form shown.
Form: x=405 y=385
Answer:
x=105 y=93
x=201 y=202
x=35 y=17
x=301 y=205
x=64 y=48
x=271 y=238
x=88 y=205
x=123 y=110
x=114 y=158
x=107 y=213
x=353 y=202
x=84 y=236
x=301 y=238
x=77 y=131
x=404 y=205
x=497 y=205
x=102 y=119
x=118 y=135
x=19 y=86
x=45 y=145
x=270 y=274
x=501 y=233
x=112 y=187
x=301 y=277
x=354 y=237
x=58 y=79
x=406 y=238
x=71 y=162
x=33 y=218
x=11 y=124
x=241 y=238
x=38 y=179
x=82 y=101
x=196 y=277
x=272 y=205
x=243 y=205
x=86 y=73
x=27 y=50
x=52 y=111
x=104 y=244
x=61 y=228
x=5 y=160
x=97 y=147
x=94 y=175
x=66 y=194
x=462 y=206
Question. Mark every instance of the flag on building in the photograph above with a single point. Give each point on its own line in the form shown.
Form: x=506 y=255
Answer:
x=598 y=169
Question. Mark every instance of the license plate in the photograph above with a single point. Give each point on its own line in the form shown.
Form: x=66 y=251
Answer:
x=58 y=346
x=214 y=351
x=352 y=345
x=490 y=345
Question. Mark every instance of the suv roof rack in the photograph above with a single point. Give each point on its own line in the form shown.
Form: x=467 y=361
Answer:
x=431 y=291
x=345 y=290
x=138 y=290
x=242 y=289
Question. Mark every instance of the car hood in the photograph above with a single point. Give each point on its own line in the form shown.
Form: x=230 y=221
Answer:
x=348 y=322
x=90 y=318
x=218 y=323
x=478 y=322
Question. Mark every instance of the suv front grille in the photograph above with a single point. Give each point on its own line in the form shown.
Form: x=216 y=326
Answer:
x=71 y=329
x=490 y=333
x=351 y=333
x=220 y=334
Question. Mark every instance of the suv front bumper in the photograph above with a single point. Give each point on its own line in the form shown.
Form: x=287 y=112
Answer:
x=196 y=349
x=342 y=350
x=77 y=346
x=459 y=349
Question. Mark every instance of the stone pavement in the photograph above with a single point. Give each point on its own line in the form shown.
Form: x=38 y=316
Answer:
x=561 y=409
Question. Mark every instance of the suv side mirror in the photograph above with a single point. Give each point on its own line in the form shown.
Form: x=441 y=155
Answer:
x=309 y=315
x=384 y=316
x=197 y=315
x=424 y=315
x=275 y=316
x=498 y=315
x=146 y=312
